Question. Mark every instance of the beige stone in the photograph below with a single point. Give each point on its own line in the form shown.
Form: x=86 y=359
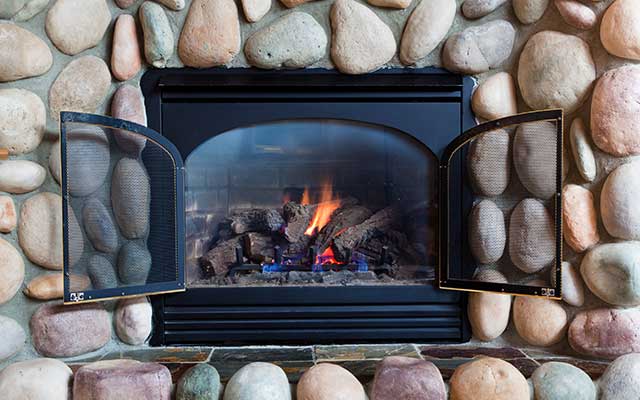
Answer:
x=54 y=161
x=37 y=379
x=402 y=4
x=580 y=218
x=495 y=97
x=11 y=270
x=529 y=11
x=21 y=176
x=175 y=5
x=126 y=57
x=576 y=14
x=555 y=70
x=293 y=3
x=254 y=10
x=540 y=322
x=488 y=379
x=582 y=152
x=40 y=229
x=23 y=54
x=620 y=29
x=77 y=25
x=22 y=120
x=615 y=111
x=329 y=382
x=8 y=215
x=355 y=50
x=572 y=286
x=133 y=320
x=211 y=34
x=489 y=312
x=425 y=29
x=619 y=202
x=51 y=286
x=81 y=86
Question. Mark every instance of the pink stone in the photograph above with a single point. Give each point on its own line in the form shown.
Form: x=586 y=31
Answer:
x=407 y=379
x=8 y=216
x=128 y=104
x=126 y=58
x=580 y=218
x=576 y=14
x=606 y=332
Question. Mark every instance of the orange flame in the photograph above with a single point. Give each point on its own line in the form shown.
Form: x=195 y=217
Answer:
x=305 y=197
x=326 y=207
x=327 y=257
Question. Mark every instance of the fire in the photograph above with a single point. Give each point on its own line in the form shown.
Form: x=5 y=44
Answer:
x=326 y=207
x=327 y=257
x=305 y=197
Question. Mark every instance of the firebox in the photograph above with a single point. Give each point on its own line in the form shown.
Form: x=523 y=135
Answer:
x=293 y=207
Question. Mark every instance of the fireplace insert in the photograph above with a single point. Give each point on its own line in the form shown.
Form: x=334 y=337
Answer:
x=300 y=207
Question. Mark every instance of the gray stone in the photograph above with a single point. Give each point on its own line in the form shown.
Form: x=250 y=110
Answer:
x=122 y=379
x=134 y=264
x=55 y=328
x=355 y=50
x=21 y=176
x=133 y=320
x=200 y=382
x=102 y=272
x=22 y=120
x=479 y=48
x=555 y=70
x=77 y=25
x=487 y=232
x=158 y=37
x=529 y=11
x=605 y=332
x=38 y=379
x=54 y=161
x=612 y=272
x=474 y=9
x=88 y=158
x=99 y=226
x=535 y=152
x=489 y=161
x=621 y=380
x=618 y=202
x=572 y=287
x=81 y=86
x=295 y=40
x=21 y=10
x=425 y=29
x=128 y=104
x=407 y=379
x=582 y=151
x=489 y=312
x=13 y=338
x=531 y=236
x=258 y=381
x=23 y=54
x=562 y=381
x=76 y=238
x=130 y=198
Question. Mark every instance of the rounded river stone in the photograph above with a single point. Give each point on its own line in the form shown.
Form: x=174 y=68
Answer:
x=529 y=11
x=555 y=70
x=621 y=380
x=258 y=381
x=22 y=120
x=158 y=36
x=99 y=226
x=540 y=322
x=572 y=287
x=128 y=105
x=425 y=29
x=329 y=382
x=51 y=286
x=576 y=14
x=605 y=332
x=620 y=29
x=23 y=54
x=37 y=379
x=562 y=381
x=254 y=10
x=55 y=327
x=535 y=150
x=21 y=10
x=77 y=25
x=495 y=97
x=582 y=151
x=489 y=161
x=200 y=382
x=88 y=159
x=619 y=200
x=612 y=272
x=580 y=218
x=488 y=378
x=13 y=338
x=134 y=264
x=531 y=236
x=126 y=58
x=133 y=320
x=11 y=270
x=474 y=9
x=130 y=198
x=489 y=312
x=487 y=232
x=102 y=272
x=21 y=176
x=8 y=214
x=407 y=379
x=54 y=161
x=295 y=40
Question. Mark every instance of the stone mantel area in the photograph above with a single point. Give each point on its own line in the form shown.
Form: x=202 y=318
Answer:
x=89 y=55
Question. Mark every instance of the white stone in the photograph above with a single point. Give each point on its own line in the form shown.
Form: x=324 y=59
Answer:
x=11 y=270
x=38 y=379
x=21 y=176
x=426 y=28
x=13 y=338
x=582 y=151
x=254 y=10
x=529 y=11
x=619 y=202
x=133 y=319
x=77 y=25
x=572 y=287
x=22 y=120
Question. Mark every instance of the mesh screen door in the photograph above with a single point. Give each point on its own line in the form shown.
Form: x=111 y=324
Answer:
x=501 y=227
x=117 y=178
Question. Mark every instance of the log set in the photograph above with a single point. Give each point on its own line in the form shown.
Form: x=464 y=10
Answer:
x=353 y=229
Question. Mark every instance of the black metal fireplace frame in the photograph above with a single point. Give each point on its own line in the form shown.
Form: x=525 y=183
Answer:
x=272 y=315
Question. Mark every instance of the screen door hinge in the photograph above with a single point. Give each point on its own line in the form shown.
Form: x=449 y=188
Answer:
x=548 y=292
x=75 y=297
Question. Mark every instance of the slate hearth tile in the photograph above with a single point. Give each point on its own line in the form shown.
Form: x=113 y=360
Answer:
x=362 y=360
x=175 y=355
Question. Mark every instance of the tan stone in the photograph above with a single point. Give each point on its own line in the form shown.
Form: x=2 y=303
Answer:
x=77 y=25
x=620 y=29
x=529 y=11
x=329 y=382
x=390 y=3
x=426 y=28
x=540 y=322
x=355 y=50
x=580 y=218
x=488 y=379
x=576 y=14
x=81 y=86
x=293 y=3
x=582 y=151
x=23 y=54
x=22 y=120
x=489 y=312
x=21 y=176
x=8 y=215
x=40 y=230
x=254 y=10
x=126 y=56
x=572 y=286
x=495 y=97
x=54 y=161
x=37 y=379
x=211 y=34
x=51 y=286
x=11 y=270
